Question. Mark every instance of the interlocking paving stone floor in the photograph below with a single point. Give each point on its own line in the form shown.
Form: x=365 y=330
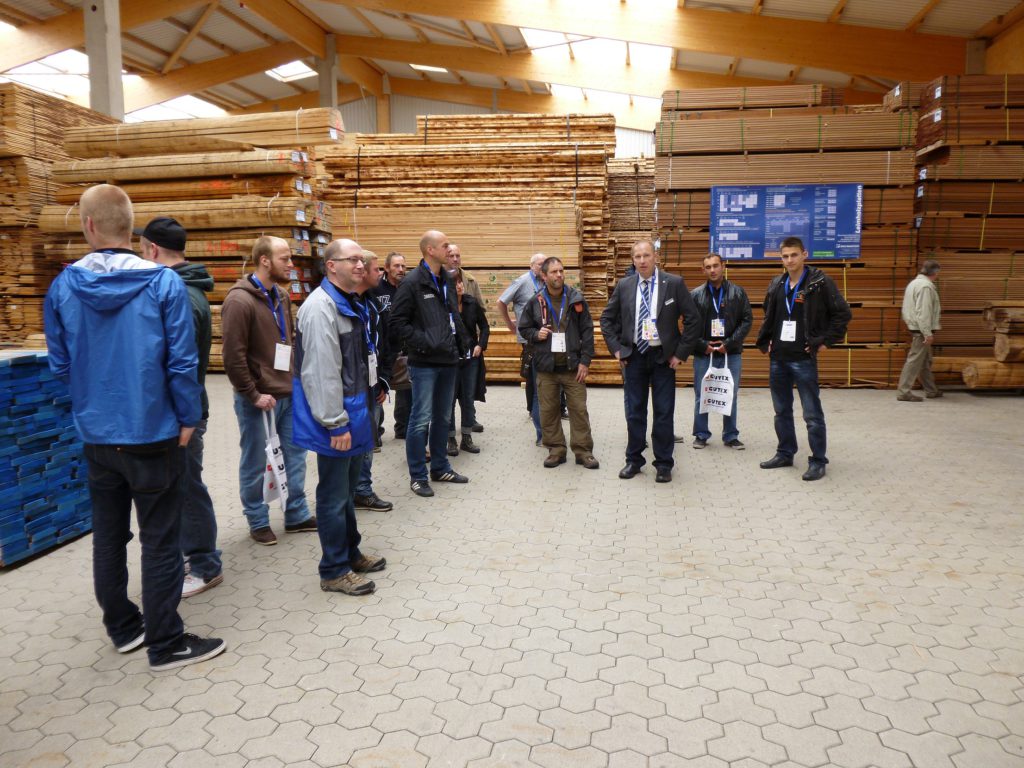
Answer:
x=563 y=617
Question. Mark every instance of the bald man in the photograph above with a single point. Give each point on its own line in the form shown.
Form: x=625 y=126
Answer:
x=256 y=325
x=119 y=332
x=425 y=319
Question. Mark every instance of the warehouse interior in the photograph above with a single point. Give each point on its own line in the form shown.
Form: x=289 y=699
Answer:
x=734 y=618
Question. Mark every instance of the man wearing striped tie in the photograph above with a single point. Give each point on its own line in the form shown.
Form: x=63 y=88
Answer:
x=641 y=326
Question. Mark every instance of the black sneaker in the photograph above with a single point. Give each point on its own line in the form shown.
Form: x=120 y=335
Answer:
x=699 y=442
x=451 y=476
x=421 y=488
x=193 y=649
x=478 y=427
x=374 y=503
x=736 y=444
x=131 y=645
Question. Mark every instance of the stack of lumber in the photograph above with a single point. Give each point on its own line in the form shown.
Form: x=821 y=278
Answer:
x=301 y=128
x=32 y=127
x=905 y=95
x=969 y=200
x=1006 y=370
x=794 y=135
x=226 y=200
x=514 y=162
x=45 y=497
x=631 y=200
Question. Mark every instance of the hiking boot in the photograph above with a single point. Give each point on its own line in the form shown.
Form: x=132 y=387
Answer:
x=264 y=536
x=350 y=584
x=453 y=447
x=478 y=427
x=374 y=503
x=369 y=564
x=468 y=445
x=588 y=461
x=193 y=585
x=553 y=460
x=307 y=525
x=192 y=650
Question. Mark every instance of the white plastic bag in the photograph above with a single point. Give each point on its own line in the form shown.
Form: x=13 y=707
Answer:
x=717 y=388
x=275 y=479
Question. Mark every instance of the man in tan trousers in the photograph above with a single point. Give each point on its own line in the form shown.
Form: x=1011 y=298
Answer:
x=921 y=312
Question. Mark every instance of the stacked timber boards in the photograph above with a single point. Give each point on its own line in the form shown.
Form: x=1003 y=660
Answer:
x=970 y=206
x=500 y=186
x=795 y=135
x=32 y=127
x=226 y=196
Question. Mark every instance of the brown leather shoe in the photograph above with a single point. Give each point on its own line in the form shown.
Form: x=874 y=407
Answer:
x=264 y=536
x=553 y=460
x=588 y=461
x=909 y=398
x=307 y=525
x=933 y=395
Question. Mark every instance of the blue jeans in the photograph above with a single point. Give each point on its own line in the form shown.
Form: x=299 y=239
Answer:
x=336 y=514
x=198 y=521
x=465 y=389
x=364 y=485
x=152 y=476
x=432 y=387
x=643 y=373
x=700 y=420
x=804 y=373
x=253 y=441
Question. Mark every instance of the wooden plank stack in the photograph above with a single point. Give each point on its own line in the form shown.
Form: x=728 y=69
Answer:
x=44 y=497
x=225 y=199
x=905 y=95
x=632 y=203
x=32 y=127
x=969 y=200
x=792 y=135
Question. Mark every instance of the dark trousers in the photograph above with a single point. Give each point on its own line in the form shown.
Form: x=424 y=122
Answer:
x=403 y=407
x=336 y=513
x=464 y=396
x=152 y=476
x=804 y=374
x=643 y=374
x=198 y=520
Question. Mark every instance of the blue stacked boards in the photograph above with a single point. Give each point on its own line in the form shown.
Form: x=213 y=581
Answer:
x=44 y=499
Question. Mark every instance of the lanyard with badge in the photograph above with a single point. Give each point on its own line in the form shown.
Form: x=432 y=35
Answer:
x=557 y=337
x=649 y=327
x=789 y=326
x=282 y=351
x=717 y=323
x=442 y=288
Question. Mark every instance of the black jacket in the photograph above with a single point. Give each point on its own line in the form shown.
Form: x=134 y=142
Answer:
x=379 y=333
x=420 y=319
x=618 y=321
x=736 y=313
x=475 y=320
x=199 y=283
x=577 y=324
x=825 y=312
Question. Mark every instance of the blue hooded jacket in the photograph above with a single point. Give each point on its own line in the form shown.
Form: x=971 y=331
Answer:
x=119 y=331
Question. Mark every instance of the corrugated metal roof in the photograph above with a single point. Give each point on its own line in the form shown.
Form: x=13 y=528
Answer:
x=963 y=17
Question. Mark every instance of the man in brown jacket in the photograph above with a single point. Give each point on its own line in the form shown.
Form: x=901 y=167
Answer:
x=257 y=328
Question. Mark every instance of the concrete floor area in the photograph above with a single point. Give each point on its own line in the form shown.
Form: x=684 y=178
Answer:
x=736 y=617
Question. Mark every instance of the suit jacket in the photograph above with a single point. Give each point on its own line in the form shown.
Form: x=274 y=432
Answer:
x=618 y=321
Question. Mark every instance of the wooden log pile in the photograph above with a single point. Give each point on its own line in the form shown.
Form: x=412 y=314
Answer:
x=792 y=135
x=32 y=127
x=226 y=200
x=969 y=201
x=517 y=162
x=1005 y=369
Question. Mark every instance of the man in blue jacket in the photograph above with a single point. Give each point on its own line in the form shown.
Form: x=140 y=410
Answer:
x=333 y=414
x=119 y=332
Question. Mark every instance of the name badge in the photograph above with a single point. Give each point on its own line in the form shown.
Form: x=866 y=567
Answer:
x=649 y=331
x=788 y=330
x=371 y=365
x=717 y=328
x=282 y=357
x=558 y=342
x=451 y=322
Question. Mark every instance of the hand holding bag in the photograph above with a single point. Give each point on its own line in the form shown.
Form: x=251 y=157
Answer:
x=275 y=478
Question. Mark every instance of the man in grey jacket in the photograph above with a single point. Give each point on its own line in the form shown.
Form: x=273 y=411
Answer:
x=921 y=312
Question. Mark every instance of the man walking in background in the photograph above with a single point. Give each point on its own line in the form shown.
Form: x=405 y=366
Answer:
x=163 y=241
x=256 y=325
x=922 y=313
x=519 y=294
x=119 y=331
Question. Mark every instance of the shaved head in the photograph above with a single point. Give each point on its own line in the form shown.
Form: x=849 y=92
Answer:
x=106 y=214
x=431 y=238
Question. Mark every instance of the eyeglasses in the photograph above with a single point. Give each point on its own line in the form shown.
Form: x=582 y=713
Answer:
x=353 y=259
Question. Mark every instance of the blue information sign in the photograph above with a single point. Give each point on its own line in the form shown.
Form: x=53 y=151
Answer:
x=751 y=222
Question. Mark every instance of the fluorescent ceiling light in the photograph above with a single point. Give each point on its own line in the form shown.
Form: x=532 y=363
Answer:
x=288 y=73
x=427 y=68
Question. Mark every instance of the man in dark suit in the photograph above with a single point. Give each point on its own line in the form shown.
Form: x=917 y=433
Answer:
x=641 y=328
